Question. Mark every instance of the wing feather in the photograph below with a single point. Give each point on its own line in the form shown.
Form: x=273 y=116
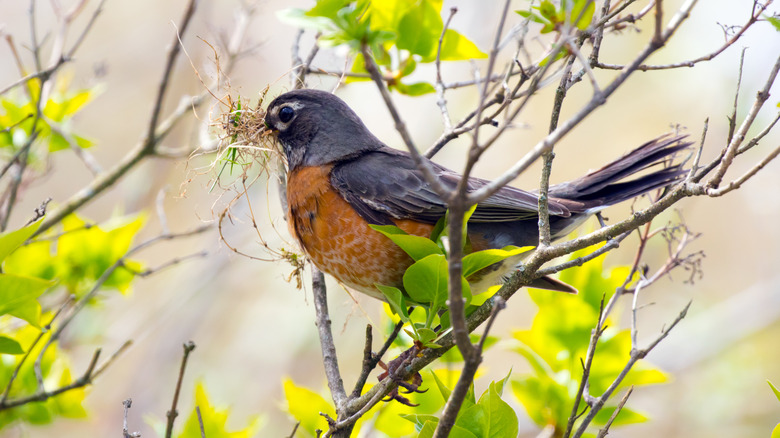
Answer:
x=385 y=184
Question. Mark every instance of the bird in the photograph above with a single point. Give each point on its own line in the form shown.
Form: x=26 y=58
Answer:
x=341 y=179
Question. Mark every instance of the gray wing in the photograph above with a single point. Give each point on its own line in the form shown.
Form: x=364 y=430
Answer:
x=385 y=184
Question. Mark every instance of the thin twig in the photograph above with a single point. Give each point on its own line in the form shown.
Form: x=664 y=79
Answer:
x=200 y=422
x=441 y=101
x=400 y=126
x=44 y=331
x=636 y=355
x=605 y=430
x=373 y=359
x=125 y=432
x=173 y=413
x=731 y=151
x=704 y=58
x=156 y=132
x=595 y=335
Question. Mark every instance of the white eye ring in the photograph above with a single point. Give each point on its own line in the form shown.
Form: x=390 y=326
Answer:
x=285 y=119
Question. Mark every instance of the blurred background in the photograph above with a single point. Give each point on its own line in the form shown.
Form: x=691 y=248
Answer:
x=253 y=328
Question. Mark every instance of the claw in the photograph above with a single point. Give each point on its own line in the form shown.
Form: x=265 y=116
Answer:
x=411 y=386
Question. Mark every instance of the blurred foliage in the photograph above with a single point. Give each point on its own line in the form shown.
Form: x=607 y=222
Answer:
x=57 y=264
x=400 y=34
x=55 y=371
x=81 y=253
x=53 y=128
x=776 y=430
x=214 y=420
x=64 y=263
x=578 y=13
x=558 y=340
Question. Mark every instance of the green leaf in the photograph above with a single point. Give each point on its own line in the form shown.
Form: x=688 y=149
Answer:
x=419 y=420
x=358 y=66
x=426 y=281
x=85 y=252
x=774 y=21
x=395 y=298
x=305 y=406
x=776 y=431
x=460 y=432
x=10 y=346
x=587 y=15
x=540 y=367
x=426 y=335
x=409 y=65
x=439 y=228
x=68 y=404
x=415 y=89
x=17 y=291
x=625 y=416
x=416 y=246
x=534 y=17
x=456 y=47
x=548 y=11
x=214 y=420
x=29 y=311
x=326 y=8
x=11 y=240
x=456 y=432
x=443 y=389
x=545 y=400
x=429 y=428
x=501 y=418
x=476 y=261
x=474 y=419
x=419 y=30
x=774 y=389
x=298 y=18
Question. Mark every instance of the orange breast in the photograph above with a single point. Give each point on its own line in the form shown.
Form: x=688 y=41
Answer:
x=338 y=240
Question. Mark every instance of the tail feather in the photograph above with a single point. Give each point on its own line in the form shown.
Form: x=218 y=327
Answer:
x=604 y=187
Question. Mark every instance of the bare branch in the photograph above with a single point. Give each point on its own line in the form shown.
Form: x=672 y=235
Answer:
x=125 y=432
x=599 y=99
x=173 y=413
x=400 y=126
x=441 y=101
x=329 y=357
x=605 y=430
x=371 y=360
x=755 y=16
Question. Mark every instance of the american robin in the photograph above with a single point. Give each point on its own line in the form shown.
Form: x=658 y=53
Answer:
x=341 y=178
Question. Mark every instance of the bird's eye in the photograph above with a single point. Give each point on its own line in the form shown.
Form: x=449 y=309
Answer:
x=286 y=114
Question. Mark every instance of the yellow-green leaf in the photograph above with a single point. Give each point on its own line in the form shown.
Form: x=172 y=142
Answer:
x=17 y=291
x=29 y=311
x=476 y=261
x=214 y=420
x=625 y=416
x=11 y=240
x=456 y=47
x=305 y=406
x=774 y=389
x=69 y=403
x=417 y=247
x=10 y=346
x=426 y=281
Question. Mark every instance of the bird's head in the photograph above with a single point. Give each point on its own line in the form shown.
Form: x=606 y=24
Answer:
x=317 y=128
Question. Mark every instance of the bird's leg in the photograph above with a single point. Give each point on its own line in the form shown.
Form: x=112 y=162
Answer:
x=394 y=368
